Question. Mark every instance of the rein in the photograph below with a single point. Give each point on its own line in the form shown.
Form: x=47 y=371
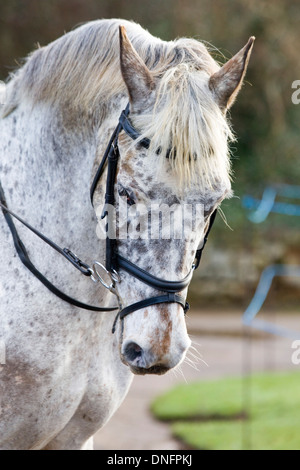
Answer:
x=114 y=261
x=68 y=254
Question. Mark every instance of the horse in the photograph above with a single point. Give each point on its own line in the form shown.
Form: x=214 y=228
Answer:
x=65 y=373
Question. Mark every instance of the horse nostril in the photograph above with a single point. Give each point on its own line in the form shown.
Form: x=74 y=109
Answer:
x=133 y=351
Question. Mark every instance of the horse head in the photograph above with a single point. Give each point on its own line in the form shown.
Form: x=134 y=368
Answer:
x=170 y=187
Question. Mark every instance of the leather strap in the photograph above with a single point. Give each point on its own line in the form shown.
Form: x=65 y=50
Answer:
x=200 y=250
x=105 y=156
x=153 y=281
x=113 y=158
x=24 y=257
x=131 y=131
x=168 y=298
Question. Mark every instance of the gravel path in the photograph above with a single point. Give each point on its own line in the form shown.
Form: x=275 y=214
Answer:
x=227 y=352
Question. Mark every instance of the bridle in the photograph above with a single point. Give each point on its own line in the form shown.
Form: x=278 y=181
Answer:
x=114 y=261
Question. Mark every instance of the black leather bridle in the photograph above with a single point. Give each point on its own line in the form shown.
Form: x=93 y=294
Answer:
x=114 y=261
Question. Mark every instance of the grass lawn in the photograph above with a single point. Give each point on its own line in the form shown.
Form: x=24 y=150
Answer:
x=211 y=415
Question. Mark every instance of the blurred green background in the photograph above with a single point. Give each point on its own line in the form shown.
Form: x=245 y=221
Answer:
x=264 y=117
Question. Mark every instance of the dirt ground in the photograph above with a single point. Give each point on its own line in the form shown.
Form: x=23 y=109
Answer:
x=227 y=350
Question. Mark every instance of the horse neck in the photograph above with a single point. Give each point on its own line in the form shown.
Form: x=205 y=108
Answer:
x=57 y=153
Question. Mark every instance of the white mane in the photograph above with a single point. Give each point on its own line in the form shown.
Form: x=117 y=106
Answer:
x=188 y=125
x=81 y=70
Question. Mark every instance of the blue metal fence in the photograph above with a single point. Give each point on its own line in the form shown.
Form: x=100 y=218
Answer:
x=259 y=211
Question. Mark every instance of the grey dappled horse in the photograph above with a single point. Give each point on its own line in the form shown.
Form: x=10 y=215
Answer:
x=65 y=373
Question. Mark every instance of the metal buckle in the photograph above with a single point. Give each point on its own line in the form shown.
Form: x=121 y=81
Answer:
x=77 y=262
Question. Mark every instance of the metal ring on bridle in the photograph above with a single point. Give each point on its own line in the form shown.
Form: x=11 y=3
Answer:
x=114 y=277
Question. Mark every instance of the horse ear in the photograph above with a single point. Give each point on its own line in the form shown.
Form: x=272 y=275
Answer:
x=136 y=75
x=227 y=82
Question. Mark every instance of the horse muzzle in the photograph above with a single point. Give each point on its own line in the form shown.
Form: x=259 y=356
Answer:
x=150 y=360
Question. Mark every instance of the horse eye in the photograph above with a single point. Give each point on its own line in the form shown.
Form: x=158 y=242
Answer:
x=130 y=198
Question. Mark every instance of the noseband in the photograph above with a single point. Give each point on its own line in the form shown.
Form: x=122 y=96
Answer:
x=114 y=261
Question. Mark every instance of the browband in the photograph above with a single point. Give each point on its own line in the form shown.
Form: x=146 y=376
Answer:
x=131 y=131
